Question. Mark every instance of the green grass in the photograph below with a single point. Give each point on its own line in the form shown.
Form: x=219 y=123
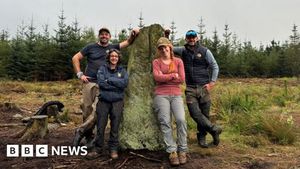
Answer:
x=246 y=111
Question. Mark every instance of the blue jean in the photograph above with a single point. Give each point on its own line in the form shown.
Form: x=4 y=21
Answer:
x=165 y=106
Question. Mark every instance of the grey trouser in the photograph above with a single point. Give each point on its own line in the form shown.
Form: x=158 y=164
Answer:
x=90 y=93
x=164 y=105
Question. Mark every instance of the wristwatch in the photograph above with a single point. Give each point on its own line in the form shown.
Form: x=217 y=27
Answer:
x=79 y=74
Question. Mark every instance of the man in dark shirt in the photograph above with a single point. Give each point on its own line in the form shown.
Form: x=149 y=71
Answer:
x=95 y=54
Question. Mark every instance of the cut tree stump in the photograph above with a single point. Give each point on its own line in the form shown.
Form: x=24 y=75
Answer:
x=38 y=128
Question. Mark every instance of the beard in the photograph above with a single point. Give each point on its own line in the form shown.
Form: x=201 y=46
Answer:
x=104 y=41
x=191 y=43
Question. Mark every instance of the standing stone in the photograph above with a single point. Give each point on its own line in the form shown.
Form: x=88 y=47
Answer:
x=140 y=128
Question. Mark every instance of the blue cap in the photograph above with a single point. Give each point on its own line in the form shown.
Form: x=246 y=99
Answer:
x=191 y=33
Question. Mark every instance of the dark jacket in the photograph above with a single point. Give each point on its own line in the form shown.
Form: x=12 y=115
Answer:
x=197 y=62
x=196 y=66
x=112 y=83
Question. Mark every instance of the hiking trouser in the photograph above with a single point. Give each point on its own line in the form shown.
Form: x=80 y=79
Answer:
x=90 y=92
x=165 y=106
x=198 y=102
x=113 y=111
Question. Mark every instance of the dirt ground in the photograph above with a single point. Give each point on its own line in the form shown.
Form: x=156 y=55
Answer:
x=228 y=154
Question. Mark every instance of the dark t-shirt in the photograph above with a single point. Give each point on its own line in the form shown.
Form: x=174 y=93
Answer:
x=96 y=57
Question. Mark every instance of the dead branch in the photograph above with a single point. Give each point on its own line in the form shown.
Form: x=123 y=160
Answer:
x=11 y=124
x=122 y=164
x=106 y=161
x=147 y=158
x=61 y=166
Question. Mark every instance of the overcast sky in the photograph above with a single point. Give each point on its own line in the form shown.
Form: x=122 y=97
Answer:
x=259 y=21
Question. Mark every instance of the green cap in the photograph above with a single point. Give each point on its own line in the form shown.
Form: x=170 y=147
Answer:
x=163 y=42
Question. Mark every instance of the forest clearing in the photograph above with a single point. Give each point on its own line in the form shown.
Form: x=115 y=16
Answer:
x=260 y=117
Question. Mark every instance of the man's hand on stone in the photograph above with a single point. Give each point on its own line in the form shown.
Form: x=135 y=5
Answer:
x=167 y=33
x=135 y=32
x=84 y=78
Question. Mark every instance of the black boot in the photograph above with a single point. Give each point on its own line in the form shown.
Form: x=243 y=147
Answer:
x=77 y=138
x=202 y=141
x=90 y=142
x=89 y=139
x=215 y=133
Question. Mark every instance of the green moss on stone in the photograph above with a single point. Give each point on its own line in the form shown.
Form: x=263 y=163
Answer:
x=139 y=128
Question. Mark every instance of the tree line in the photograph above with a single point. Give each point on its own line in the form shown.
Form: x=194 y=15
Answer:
x=238 y=59
x=39 y=56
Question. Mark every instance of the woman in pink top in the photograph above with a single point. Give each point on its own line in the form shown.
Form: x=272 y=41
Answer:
x=168 y=72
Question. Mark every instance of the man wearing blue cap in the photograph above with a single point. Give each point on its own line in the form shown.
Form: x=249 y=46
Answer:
x=201 y=72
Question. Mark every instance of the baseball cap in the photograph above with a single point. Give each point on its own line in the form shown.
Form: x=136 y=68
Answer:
x=191 y=33
x=104 y=29
x=163 y=42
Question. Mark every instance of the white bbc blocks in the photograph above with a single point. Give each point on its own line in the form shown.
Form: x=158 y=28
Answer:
x=41 y=150
x=27 y=150
x=12 y=150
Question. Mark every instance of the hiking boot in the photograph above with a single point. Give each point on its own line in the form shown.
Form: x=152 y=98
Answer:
x=92 y=155
x=114 y=154
x=202 y=141
x=90 y=143
x=89 y=139
x=215 y=132
x=77 y=138
x=173 y=157
x=182 y=157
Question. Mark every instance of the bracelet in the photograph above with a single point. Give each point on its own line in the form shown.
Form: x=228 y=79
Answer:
x=79 y=74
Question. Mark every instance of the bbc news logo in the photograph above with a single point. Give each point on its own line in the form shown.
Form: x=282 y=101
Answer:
x=42 y=150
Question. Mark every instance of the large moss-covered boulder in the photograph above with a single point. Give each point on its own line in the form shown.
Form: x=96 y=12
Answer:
x=139 y=128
